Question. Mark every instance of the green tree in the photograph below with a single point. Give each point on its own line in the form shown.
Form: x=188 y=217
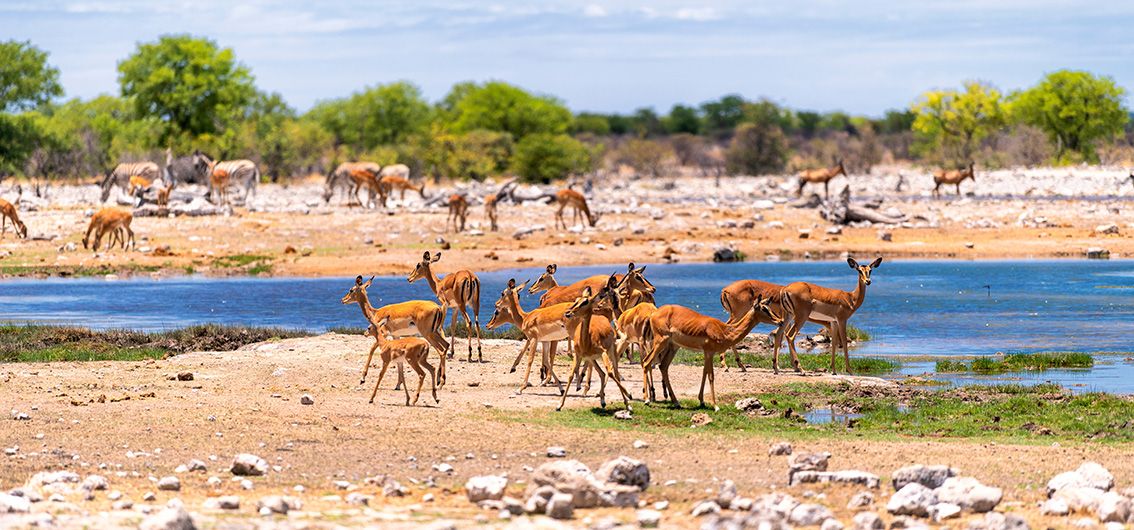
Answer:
x=545 y=157
x=683 y=119
x=647 y=157
x=189 y=83
x=724 y=114
x=84 y=137
x=950 y=124
x=586 y=122
x=26 y=81
x=895 y=121
x=473 y=155
x=645 y=122
x=808 y=122
x=1075 y=109
x=382 y=115
x=757 y=149
x=499 y=106
x=767 y=112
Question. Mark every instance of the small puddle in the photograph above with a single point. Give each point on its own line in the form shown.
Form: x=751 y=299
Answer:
x=829 y=415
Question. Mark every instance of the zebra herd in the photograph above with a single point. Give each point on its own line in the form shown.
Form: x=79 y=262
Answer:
x=137 y=178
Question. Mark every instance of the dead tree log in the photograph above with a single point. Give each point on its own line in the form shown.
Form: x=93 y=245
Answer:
x=839 y=210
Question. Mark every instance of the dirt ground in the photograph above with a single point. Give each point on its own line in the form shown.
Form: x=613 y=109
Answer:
x=682 y=220
x=131 y=423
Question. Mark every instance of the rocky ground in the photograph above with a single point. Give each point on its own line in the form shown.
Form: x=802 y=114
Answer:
x=1041 y=213
x=236 y=439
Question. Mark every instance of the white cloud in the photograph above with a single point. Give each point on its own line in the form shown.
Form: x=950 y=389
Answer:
x=594 y=10
x=699 y=14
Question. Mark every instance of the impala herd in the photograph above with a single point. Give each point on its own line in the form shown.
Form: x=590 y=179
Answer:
x=600 y=318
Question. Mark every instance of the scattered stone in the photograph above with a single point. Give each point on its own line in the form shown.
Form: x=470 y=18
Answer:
x=832 y=524
x=780 y=449
x=124 y=504
x=1000 y=521
x=749 y=405
x=808 y=514
x=556 y=452
x=641 y=444
x=850 y=476
x=169 y=483
x=969 y=494
x=486 y=487
x=860 y=500
x=1096 y=476
x=626 y=471
x=1098 y=253
x=931 y=477
x=149 y=496
x=912 y=499
x=575 y=478
x=246 y=485
x=95 y=483
x=776 y=505
x=278 y=504
x=197 y=465
x=169 y=519
x=1109 y=228
x=706 y=508
x=537 y=501
x=807 y=462
x=649 y=518
x=245 y=464
x=428 y=497
x=185 y=376
x=885 y=235
x=944 y=510
x=306 y=399
x=868 y=521
x=228 y=502
x=701 y=419
x=726 y=254
x=13 y=504
x=727 y=493
x=44 y=478
x=114 y=495
x=443 y=468
x=1055 y=507
x=358 y=499
x=624 y=414
x=560 y=506
x=1113 y=507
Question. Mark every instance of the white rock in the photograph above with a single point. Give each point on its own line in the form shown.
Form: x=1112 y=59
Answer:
x=780 y=449
x=862 y=499
x=1096 y=476
x=1113 y=508
x=808 y=514
x=648 y=518
x=640 y=444
x=556 y=452
x=944 y=510
x=931 y=477
x=306 y=399
x=705 y=508
x=169 y=519
x=832 y=524
x=486 y=487
x=912 y=499
x=95 y=483
x=169 y=483
x=1055 y=507
x=969 y=494
x=626 y=471
x=14 y=504
x=248 y=465
x=1080 y=498
x=560 y=506
x=868 y=521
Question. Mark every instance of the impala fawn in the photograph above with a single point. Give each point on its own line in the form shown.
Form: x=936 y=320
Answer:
x=412 y=350
x=594 y=338
x=490 y=210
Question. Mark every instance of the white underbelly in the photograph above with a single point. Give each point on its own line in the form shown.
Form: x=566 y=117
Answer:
x=823 y=313
x=402 y=327
x=552 y=331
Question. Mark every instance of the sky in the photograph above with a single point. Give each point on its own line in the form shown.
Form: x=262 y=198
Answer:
x=862 y=57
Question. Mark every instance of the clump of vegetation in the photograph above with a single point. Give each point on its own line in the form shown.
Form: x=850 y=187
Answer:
x=1018 y=362
x=809 y=361
x=38 y=343
x=254 y=264
x=857 y=334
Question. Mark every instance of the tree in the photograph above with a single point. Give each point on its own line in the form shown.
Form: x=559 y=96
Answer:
x=688 y=148
x=808 y=122
x=645 y=156
x=586 y=122
x=26 y=81
x=723 y=115
x=191 y=85
x=645 y=123
x=545 y=157
x=757 y=149
x=683 y=119
x=895 y=121
x=498 y=106
x=1075 y=109
x=84 y=137
x=950 y=124
x=473 y=155
x=382 y=115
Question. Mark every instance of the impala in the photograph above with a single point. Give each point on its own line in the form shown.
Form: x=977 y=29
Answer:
x=108 y=221
x=675 y=326
x=458 y=291
x=824 y=176
x=354 y=176
x=594 y=338
x=737 y=298
x=458 y=212
x=391 y=182
x=954 y=176
x=831 y=307
x=8 y=211
x=575 y=200
x=504 y=314
x=631 y=330
x=229 y=172
x=415 y=317
x=544 y=324
x=413 y=350
x=163 y=194
x=490 y=210
x=138 y=184
x=634 y=279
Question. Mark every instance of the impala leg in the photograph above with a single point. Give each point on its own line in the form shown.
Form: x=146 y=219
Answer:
x=381 y=374
x=530 y=348
x=468 y=328
x=612 y=367
x=401 y=375
x=432 y=377
x=416 y=365
x=574 y=366
x=549 y=360
x=476 y=326
x=796 y=325
x=705 y=371
x=452 y=326
x=846 y=345
x=671 y=351
x=602 y=383
x=834 y=343
x=370 y=357
x=519 y=356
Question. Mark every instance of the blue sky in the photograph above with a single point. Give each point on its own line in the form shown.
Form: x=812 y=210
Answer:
x=861 y=56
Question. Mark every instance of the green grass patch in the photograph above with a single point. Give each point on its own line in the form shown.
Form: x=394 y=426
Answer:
x=509 y=332
x=1018 y=362
x=857 y=334
x=253 y=263
x=1014 y=413
x=39 y=343
x=809 y=361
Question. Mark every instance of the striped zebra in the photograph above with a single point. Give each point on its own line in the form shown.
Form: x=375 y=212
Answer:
x=223 y=175
x=353 y=176
x=120 y=176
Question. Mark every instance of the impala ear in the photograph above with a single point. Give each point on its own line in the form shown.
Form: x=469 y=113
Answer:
x=612 y=281
x=874 y=264
x=641 y=270
x=436 y=257
x=367 y=284
x=587 y=291
x=511 y=282
x=425 y=257
x=630 y=268
x=551 y=269
x=358 y=280
x=853 y=264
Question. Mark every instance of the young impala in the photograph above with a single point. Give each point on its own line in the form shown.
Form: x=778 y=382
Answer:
x=412 y=350
x=544 y=324
x=823 y=176
x=505 y=314
x=830 y=307
x=954 y=176
x=8 y=211
x=415 y=317
x=458 y=290
x=594 y=338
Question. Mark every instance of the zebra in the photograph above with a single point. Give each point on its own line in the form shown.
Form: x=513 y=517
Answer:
x=353 y=176
x=188 y=169
x=229 y=172
x=120 y=176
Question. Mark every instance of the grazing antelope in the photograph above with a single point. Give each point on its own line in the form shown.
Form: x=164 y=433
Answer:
x=594 y=338
x=8 y=211
x=816 y=176
x=458 y=212
x=393 y=179
x=415 y=317
x=109 y=220
x=163 y=194
x=244 y=173
x=831 y=307
x=412 y=350
x=490 y=210
x=954 y=176
x=571 y=198
x=504 y=314
x=458 y=291
x=354 y=176
x=123 y=176
x=675 y=326
x=737 y=298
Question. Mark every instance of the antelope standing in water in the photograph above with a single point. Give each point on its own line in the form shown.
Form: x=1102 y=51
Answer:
x=953 y=176
x=824 y=176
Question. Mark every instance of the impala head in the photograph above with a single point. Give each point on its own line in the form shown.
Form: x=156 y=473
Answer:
x=864 y=270
x=635 y=279
x=357 y=293
x=593 y=218
x=763 y=306
x=972 y=172
x=422 y=268
x=503 y=312
x=379 y=329
x=842 y=169
x=22 y=229
x=545 y=281
x=585 y=303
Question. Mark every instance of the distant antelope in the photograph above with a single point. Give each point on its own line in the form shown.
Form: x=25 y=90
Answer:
x=954 y=176
x=8 y=211
x=458 y=212
x=123 y=176
x=108 y=221
x=354 y=176
x=573 y=199
x=490 y=210
x=816 y=176
x=163 y=194
x=138 y=185
x=396 y=178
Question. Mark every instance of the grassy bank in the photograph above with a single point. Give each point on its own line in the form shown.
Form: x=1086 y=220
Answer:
x=1038 y=414
x=38 y=343
x=1017 y=362
x=811 y=362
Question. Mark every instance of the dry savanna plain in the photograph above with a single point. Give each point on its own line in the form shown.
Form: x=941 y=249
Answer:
x=279 y=434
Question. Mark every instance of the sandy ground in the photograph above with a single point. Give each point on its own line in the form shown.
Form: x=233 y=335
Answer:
x=249 y=401
x=1022 y=214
